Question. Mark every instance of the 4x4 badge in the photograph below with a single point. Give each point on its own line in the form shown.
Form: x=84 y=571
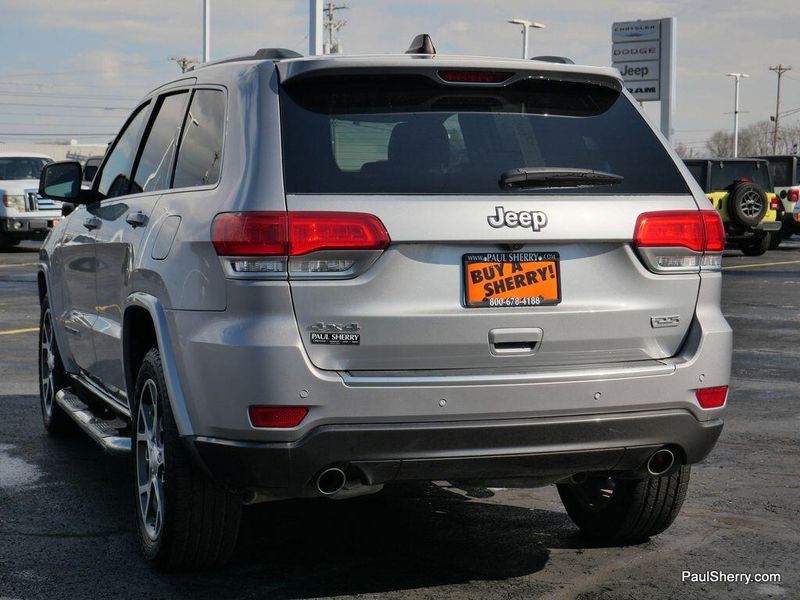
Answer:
x=534 y=219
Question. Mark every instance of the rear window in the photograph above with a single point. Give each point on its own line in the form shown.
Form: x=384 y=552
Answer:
x=782 y=171
x=724 y=174
x=407 y=135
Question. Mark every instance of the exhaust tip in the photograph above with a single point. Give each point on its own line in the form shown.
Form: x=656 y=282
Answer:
x=660 y=462
x=330 y=481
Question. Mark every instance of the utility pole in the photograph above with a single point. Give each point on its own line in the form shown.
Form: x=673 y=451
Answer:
x=332 y=25
x=184 y=62
x=737 y=77
x=780 y=70
x=314 y=27
x=206 y=30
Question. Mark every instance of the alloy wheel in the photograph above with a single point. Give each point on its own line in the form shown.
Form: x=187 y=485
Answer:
x=150 y=460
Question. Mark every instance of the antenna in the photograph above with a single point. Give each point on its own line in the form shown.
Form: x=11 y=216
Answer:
x=332 y=25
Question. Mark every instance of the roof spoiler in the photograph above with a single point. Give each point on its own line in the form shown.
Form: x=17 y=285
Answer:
x=562 y=60
x=421 y=44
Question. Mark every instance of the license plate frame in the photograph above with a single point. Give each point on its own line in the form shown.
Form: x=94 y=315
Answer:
x=526 y=262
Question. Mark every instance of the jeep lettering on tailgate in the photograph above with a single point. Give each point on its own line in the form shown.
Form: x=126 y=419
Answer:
x=502 y=218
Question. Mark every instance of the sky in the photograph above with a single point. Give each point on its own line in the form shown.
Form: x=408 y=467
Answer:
x=74 y=69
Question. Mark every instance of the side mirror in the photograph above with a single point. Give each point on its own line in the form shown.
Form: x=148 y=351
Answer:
x=61 y=180
x=67 y=208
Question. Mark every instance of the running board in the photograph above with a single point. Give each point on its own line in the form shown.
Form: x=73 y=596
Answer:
x=104 y=432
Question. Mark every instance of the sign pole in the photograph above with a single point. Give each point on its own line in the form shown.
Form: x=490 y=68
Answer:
x=314 y=27
x=668 y=52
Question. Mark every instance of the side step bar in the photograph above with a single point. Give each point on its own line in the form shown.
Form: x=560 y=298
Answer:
x=102 y=431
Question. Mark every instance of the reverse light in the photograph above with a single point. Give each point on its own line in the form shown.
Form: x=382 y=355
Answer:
x=277 y=416
x=712 y=397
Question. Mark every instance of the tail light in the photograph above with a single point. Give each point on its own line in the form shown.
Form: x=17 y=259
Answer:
x=277 y=416
x=330 y=243
x=712 y=397
x=794 y=195
x=680 y=240
x=774 y=203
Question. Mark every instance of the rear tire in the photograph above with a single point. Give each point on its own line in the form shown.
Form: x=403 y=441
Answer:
x=625 y=510
x=184 y=520
x=775 y=239
x=758 y=246
x=52 y=377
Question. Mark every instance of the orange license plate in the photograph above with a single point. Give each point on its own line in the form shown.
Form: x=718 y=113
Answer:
x=503 y=279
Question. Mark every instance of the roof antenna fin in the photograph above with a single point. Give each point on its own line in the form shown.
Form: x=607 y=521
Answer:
x=421 y=44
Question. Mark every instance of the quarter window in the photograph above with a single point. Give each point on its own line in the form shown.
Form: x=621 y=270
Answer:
x=115 y=177
x=200 y=154
x=155 y=164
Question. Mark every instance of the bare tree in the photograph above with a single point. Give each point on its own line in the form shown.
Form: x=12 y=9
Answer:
x=683 y=150
x=720 y=144
x=755 y=140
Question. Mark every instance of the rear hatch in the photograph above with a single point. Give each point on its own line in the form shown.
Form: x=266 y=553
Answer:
x=484 y=270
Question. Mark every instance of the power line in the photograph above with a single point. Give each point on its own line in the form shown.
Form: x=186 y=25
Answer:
x=71 y=134
x=2 y=103
x=60 y=116
x=332 y=25
x=75 y=96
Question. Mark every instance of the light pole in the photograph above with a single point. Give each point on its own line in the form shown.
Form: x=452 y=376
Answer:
x=525 y=26
x=737 y=77
x=206 y=30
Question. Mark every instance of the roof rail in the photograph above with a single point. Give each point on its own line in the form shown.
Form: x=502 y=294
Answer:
x=563 y=60
x=421 y=44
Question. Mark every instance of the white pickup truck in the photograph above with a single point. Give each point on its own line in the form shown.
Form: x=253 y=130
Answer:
x=23 y=213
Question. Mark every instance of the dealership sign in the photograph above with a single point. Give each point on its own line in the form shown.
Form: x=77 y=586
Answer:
x=644 y=53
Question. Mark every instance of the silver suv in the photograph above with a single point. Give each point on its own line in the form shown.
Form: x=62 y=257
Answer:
x=315 y=276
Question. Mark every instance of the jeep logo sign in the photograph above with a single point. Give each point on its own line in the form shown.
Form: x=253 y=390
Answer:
x=534 y=219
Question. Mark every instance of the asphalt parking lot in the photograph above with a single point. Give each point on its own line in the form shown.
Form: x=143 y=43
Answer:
x=66 y=524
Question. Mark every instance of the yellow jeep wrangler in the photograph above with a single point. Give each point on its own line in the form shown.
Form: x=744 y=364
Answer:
x=741 y=190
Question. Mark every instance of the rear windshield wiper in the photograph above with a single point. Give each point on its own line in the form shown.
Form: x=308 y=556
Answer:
x=549 y=177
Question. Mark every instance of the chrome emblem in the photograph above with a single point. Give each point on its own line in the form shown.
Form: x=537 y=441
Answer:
x=534 y=219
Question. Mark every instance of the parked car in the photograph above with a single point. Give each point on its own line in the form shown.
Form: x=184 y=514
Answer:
x=90 y=166
x=785 y=172
x=23 y=213
x=310 y=277
x=741 y=190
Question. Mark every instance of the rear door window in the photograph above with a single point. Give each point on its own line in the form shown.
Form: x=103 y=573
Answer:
x=408 y=135
x=155 y=164
x=200 y=153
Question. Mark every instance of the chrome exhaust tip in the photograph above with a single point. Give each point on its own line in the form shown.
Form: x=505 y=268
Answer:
x=660 y=462
x=330 y=481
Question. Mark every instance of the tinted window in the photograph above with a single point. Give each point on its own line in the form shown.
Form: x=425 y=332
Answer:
x=781 y=170
x=22 y=167
x=698 y=171
x=155 y=165
x=115 y=177
x=723 y=174
x=405 y=135
x=90 y=168
x=200 y=155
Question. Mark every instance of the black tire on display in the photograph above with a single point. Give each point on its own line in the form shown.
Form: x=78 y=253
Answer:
x=52 y=377
x=747 y=204
x=758 y=246
x=185 y=521
x=625 y=510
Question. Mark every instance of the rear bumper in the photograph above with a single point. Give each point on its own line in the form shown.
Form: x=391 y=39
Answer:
x=547 y=449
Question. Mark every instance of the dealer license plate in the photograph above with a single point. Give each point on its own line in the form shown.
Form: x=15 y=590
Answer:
x=503 y=279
